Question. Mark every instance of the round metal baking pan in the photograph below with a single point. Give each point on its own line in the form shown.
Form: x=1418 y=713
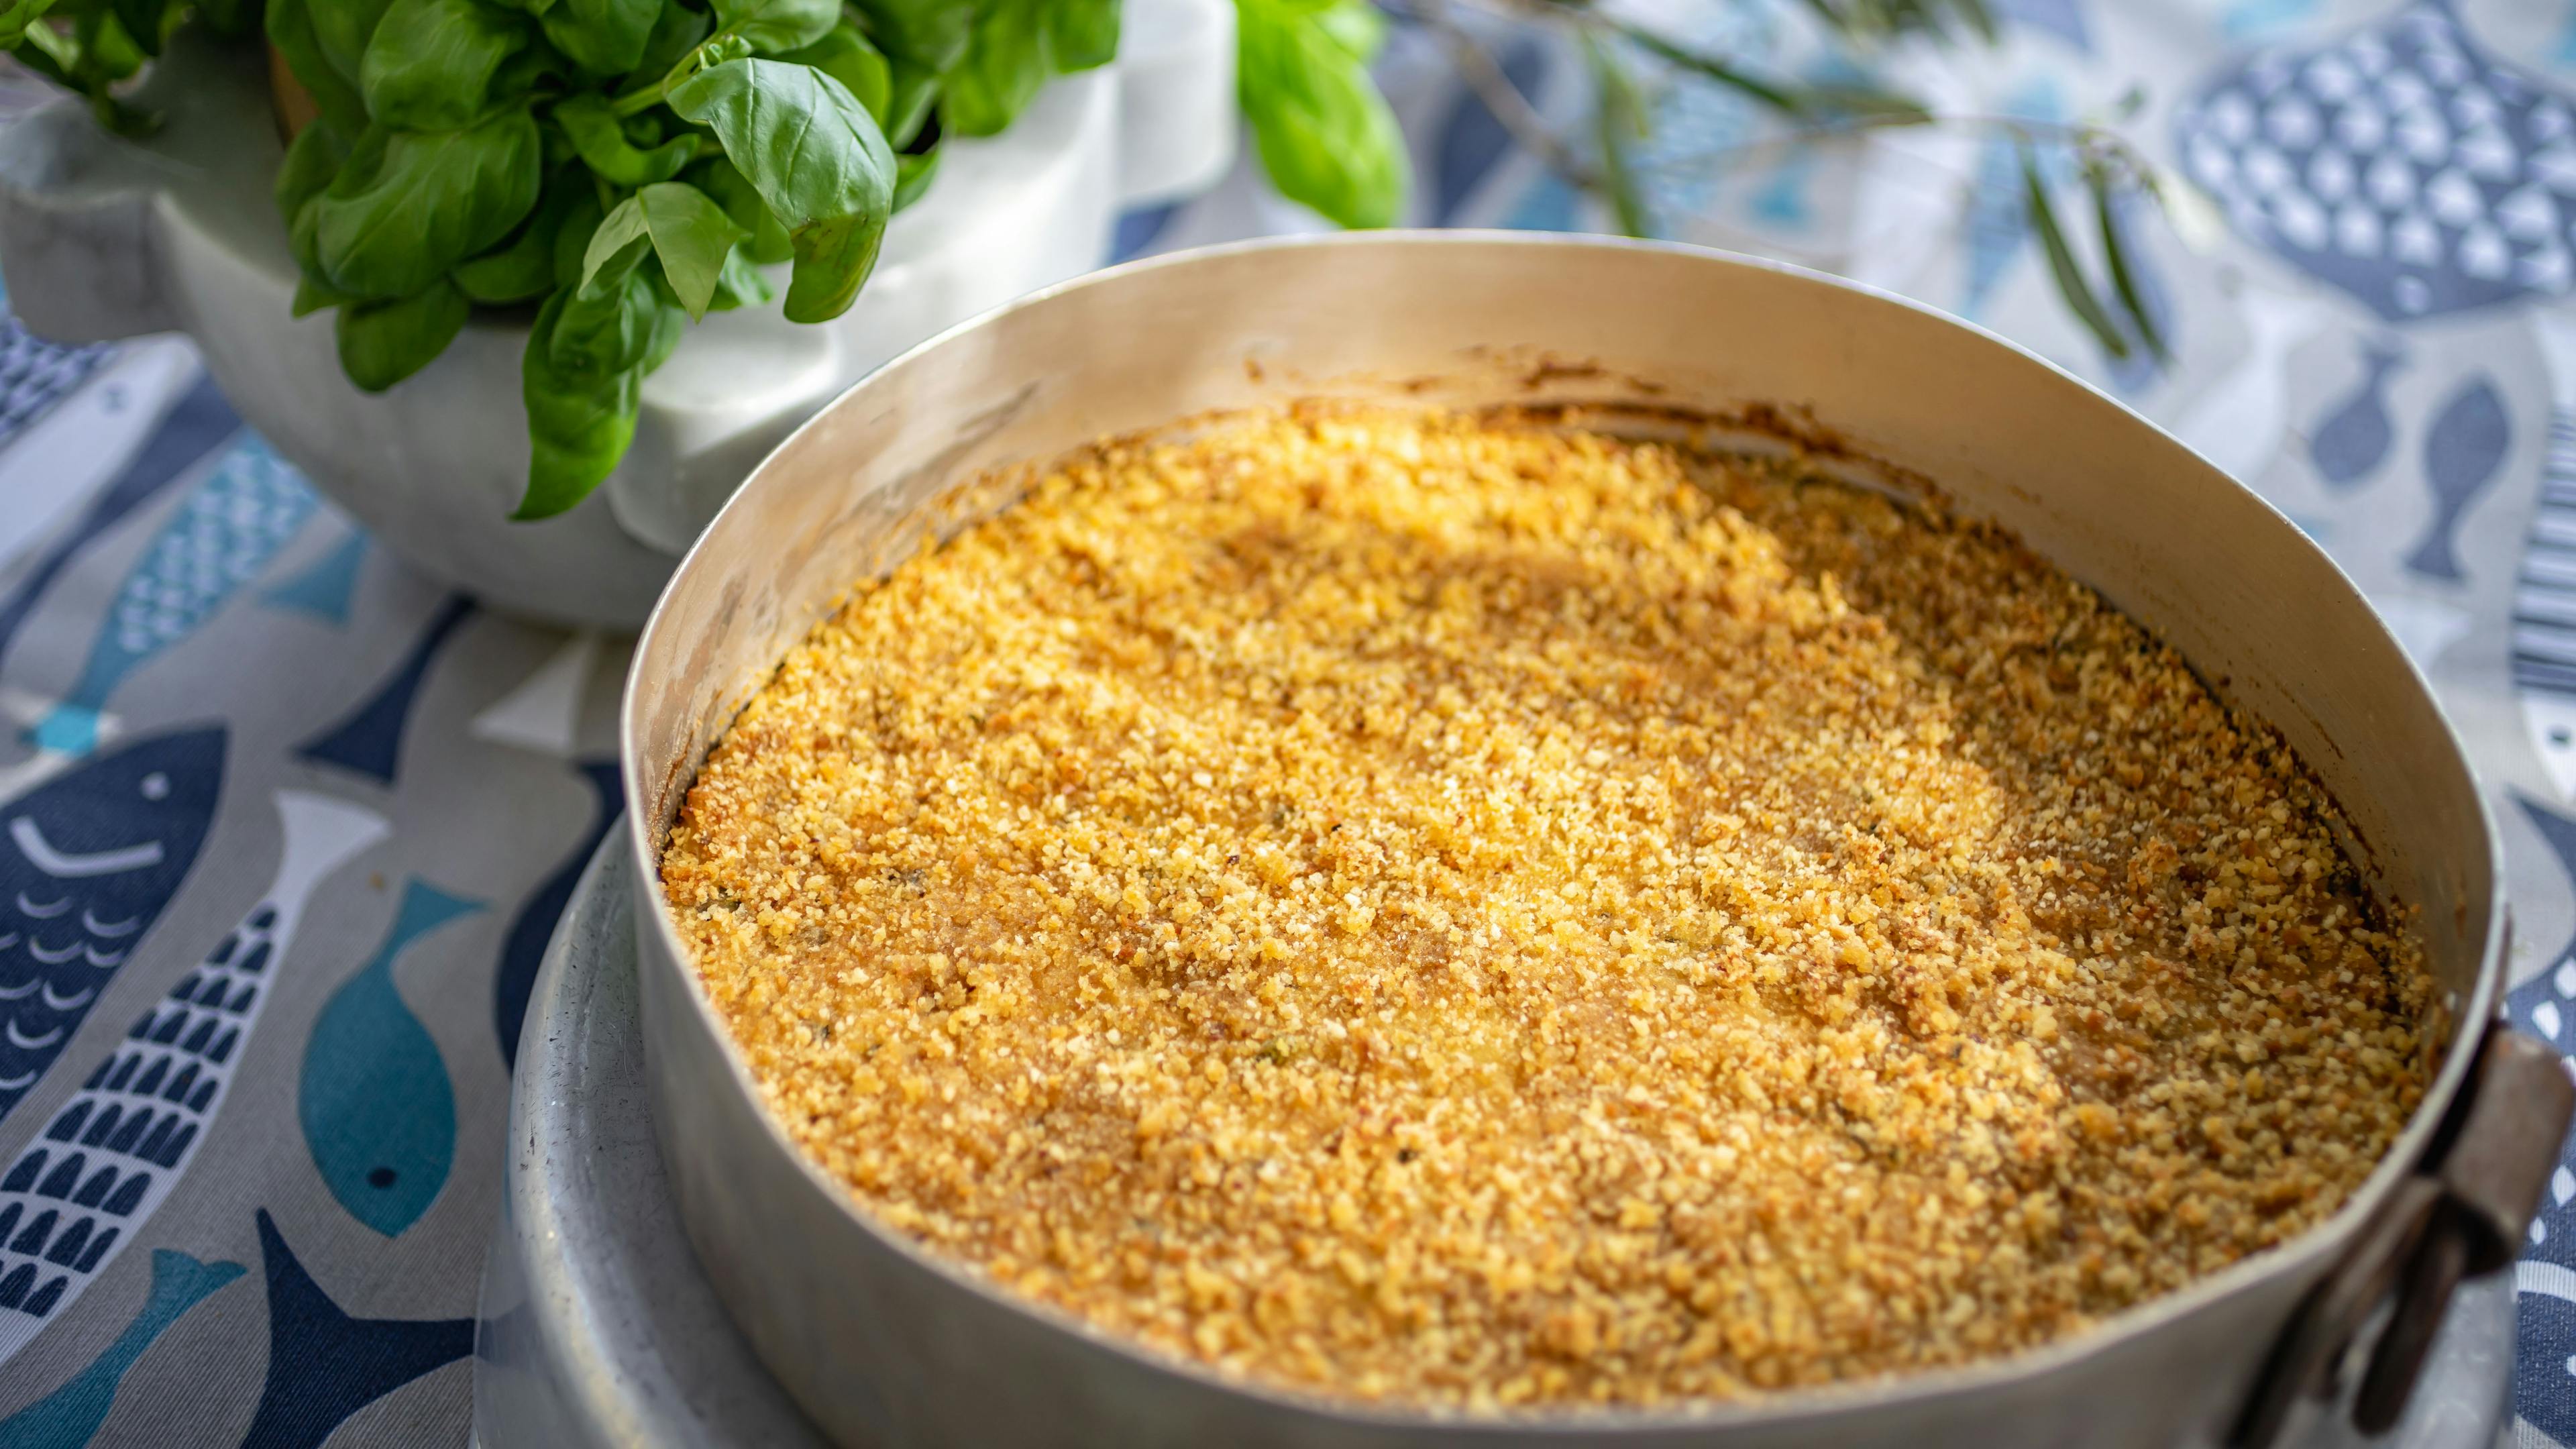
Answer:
x=598 y=1330
x=878 y=1340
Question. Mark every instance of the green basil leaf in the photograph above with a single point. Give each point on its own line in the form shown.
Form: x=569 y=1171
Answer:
x=342 y=29
x=381 y=343
x=1358 y=29
x=1082 y=33
x=1005 y=64
x=846 y=56
x=522 y=267
x=772 y=26
x=580 y=418
x=618 y=247
x=600 y=141
x=144 y=20
x=677 y=30
x=768 y=245
x=689 y=233
x=816 y=157
x=312 y=296
x=739 y=285
x=230 y=19
x=930 y=33
x=913 y=173
x=601 y=37
x=608 y=327
x=582 y=215
x=315 y=155
x=1326 y=136
x=692 y=236
x=15 y=19
x=432 y=63
x=915 y=88
x=410 y=205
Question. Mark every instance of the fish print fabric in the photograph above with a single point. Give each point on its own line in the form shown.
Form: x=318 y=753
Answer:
x=284 y=826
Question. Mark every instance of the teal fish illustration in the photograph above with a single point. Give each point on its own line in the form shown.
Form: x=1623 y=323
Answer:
x=323 y=587
x=379 y=1115
x=217 y=540
x=67 y=1417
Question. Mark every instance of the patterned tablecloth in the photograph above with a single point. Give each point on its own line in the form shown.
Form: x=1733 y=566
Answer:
x=283 y=826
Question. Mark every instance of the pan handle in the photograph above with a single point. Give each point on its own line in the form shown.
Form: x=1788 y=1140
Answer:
x=2461 y=1215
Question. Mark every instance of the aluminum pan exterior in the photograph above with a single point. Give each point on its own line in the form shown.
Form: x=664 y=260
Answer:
x=883 y=1344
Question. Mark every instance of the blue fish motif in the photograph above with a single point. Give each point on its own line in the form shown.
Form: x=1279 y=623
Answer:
x=323 y=1364
x=379 y=1114
x=2400 y=164
x=220 y=537
x=1138 y=228
x=195 y=424
x=2462 y=454
x=90 y=859
x=67 y=1417
x=2544 y=605
x=525 y=948
x=82 y=1190
x=2350 y=442
x=369 y=741
x=323 y=588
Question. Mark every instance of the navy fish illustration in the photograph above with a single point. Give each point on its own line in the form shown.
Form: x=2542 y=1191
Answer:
x=525 y=947
x=217 y=540
x=194 y=425
x=378 y=1111
x=2462 y=454
x=2400 y=164
x=81 y=1191
x=2353 y=438
x=324 y=1364
x=2545 y=1279
x=369 y=741
x=88 y=861
x=67 y=1417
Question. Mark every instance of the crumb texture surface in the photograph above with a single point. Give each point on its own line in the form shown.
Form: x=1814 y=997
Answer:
x=1457 y=913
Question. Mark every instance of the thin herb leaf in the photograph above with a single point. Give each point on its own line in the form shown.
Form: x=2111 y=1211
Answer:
x=2071 y=284
x=2115 y=254
x=1619 y=117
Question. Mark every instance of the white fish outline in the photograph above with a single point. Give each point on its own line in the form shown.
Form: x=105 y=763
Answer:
x=23 y=988
x=54 y=955
x=29 y=908
x=110 y=929
x=24 y=1042
x=73 y=864
x=73 y=1002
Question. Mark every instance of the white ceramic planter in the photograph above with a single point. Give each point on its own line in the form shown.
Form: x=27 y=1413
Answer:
x=104 y=238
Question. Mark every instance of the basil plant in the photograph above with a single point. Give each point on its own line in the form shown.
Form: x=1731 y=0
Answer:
x=613 y=170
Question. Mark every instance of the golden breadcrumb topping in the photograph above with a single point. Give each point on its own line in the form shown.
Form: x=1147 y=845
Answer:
x=1469 y=914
